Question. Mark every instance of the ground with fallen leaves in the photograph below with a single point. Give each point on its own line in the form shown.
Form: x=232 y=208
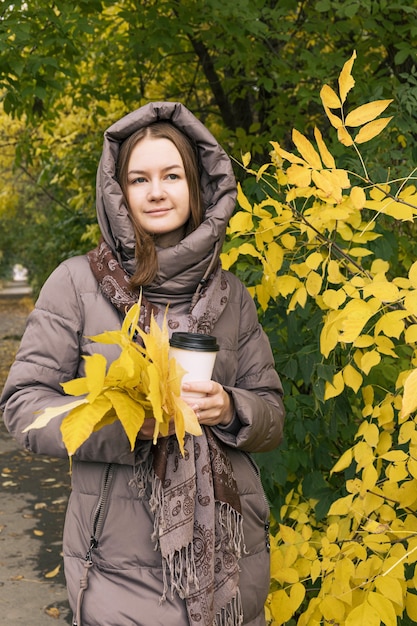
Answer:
x=33 y=496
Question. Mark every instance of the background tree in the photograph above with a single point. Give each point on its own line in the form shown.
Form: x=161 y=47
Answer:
x=251 y=70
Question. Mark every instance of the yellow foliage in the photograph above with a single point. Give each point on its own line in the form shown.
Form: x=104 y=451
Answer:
x=140 y=383
x=313 y=239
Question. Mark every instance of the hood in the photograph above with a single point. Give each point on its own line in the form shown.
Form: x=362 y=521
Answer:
x=183 y=266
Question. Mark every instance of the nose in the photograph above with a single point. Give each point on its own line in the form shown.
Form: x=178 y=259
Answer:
x=156 y=189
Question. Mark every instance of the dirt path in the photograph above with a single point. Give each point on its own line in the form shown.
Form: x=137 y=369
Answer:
x=33 y=496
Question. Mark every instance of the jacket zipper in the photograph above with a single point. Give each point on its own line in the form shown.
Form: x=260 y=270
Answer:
x=96 y=528
x=100 y=510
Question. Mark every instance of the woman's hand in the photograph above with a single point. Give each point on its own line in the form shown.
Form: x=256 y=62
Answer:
x=215 y=407
x=148 y=428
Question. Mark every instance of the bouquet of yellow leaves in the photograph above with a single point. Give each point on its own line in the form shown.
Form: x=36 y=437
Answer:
x=142 y=382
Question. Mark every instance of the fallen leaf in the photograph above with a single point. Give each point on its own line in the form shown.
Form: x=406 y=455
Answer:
x=38 y=533
x=52 y=612
x=40 y=505
x=54 y=572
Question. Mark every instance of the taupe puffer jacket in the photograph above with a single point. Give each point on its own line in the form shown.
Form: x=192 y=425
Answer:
x=125 y=582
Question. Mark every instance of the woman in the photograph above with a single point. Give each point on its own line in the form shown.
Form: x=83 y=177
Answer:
x=152 y=537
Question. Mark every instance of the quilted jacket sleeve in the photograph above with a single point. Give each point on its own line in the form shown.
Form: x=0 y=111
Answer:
x=257 y=392
x=50 y=354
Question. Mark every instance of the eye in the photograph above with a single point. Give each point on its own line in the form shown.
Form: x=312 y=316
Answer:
x=137 y=180
x=172 y=176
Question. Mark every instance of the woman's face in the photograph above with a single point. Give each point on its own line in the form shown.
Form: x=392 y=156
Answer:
x=157 y=189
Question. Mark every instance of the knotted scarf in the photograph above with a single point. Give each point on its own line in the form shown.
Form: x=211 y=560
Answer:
x=194 y=498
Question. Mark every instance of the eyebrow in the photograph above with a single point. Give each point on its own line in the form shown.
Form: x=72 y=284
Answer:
x=165 y=169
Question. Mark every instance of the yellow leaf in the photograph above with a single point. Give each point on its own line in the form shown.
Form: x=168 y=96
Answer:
x=306 y=149
x=334 y=388
x=287 y=285
x=410 y=302
x=381 y=289
x=322 y=183
x=154 y=394
x=355 y=315
x=288 y=241
x=411 y=605
x=407 y=494
x=297 y=595
x=334 y=120
x=49 y=413
x=95 y=372
x=76 y=387
x=313 y=283
x=246 y=159
x=191 y=423
x=241 y=223
x=288 y=534
x=248 y=248
x=363 y=454
x=54 y=572
x=366 y=113
x=274 y=256
x=369 y=360
x=409 y=402
x=358 y=197
x=333 y=298
x=391 y=324
x=363 y=614
x=411 y=334
x=369 y=478
x=281 y=607
x=370 y=433
x=78 y=425
x=333 y=610
x=330 y=98
x=390 y=587
x=242 y=199
x=334 y=274
x=292 y=158
x=344 y=137
x=412 y=274
x=130 y=413
x=326 y=156
x=314 y=260
x=384 y=608
x=329 y=335
x=299 y=175
x=346 y=82
x=371 y=130
x=395 y=456
x=352 y=378
x=342 y=506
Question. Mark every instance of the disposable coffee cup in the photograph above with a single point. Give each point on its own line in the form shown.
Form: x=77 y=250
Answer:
x=197 y=354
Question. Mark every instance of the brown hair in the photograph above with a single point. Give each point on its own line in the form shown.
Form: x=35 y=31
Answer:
x=146 y=257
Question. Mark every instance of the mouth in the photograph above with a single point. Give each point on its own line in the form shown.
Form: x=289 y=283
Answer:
x=158 y=211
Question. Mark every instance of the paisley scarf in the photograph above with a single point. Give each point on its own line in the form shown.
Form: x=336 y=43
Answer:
x=194 y=498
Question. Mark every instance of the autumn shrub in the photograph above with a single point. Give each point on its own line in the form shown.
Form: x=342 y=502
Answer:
x=329 y=257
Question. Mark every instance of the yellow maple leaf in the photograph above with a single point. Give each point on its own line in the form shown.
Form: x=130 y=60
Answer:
x=326 y=156
x=372 y=129
x=346 y=81
x=306 y=149
x=409 y=403
x=141 y=382
x=330 y=98
x=78 y=425
x=366 y=112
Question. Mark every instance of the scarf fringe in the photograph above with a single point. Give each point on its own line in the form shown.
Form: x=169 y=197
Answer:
x=232 y=614
x=231 y=524
x=140 y=478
